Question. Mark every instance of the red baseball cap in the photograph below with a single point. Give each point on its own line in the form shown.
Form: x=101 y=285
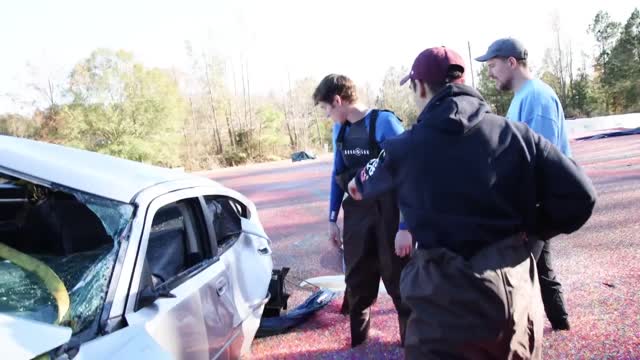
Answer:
x=433 y=64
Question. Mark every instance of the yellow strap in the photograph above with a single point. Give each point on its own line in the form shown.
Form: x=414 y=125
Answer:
x=49 y=278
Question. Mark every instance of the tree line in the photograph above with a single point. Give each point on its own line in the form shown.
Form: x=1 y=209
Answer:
x=199 y=119
x=612 y=88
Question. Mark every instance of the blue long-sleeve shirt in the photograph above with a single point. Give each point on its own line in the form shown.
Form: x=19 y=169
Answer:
x=537 y=105
x=387 y=125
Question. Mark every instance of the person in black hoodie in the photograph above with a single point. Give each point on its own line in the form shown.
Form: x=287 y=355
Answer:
x=473 y=189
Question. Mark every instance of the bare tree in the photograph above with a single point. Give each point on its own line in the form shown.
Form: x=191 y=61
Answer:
x=558 y=63
x=212 y=104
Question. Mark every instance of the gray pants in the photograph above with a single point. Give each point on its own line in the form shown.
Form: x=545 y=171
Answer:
x=487 y=307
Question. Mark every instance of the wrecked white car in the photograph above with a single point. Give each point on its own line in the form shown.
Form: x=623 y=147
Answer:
x=105 y=258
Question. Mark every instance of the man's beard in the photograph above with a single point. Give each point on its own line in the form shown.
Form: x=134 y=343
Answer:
x=506 y=85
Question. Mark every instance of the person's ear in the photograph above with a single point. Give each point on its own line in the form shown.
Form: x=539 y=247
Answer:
x=423 y=89
x=337 y=101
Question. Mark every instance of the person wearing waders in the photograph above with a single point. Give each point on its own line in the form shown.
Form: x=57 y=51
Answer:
x=473 y=187
x=375 y=241
x=537 y=105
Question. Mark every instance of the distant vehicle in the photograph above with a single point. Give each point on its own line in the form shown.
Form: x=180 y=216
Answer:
x=106 y=258
x=302 y=155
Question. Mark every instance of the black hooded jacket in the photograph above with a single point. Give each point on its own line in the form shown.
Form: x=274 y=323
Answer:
x=466 y=178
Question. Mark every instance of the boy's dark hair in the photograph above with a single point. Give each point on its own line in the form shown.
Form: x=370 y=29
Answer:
x=332 y=85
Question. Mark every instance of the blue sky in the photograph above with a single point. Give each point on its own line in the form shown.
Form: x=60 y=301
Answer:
x=359 y=38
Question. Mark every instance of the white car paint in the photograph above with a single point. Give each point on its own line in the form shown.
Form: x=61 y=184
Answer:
x=18 y=342
x=180 y=327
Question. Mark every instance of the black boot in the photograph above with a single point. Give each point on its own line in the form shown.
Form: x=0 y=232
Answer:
x=562 y=324
x=344 y=310
x=360 y=323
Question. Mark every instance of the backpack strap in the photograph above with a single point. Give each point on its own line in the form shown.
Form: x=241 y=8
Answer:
x=374 y=147
x=394 y=114
x=341 y=133
x=373 y=143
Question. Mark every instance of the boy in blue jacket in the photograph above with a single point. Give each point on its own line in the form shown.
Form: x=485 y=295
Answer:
x=370 y=227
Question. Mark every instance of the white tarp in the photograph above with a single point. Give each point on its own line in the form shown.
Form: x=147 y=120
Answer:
x=583 y=127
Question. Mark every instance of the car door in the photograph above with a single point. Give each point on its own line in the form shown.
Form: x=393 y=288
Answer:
x=245 y=250
x=183 y=296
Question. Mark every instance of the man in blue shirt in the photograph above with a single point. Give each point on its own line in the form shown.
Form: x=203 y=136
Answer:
x=371 y=252
x=536 y=104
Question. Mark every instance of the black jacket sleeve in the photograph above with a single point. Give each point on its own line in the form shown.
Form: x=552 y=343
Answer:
x=566 y=196
x=376 y=177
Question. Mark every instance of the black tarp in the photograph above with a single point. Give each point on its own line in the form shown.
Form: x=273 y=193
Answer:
x=280 y=324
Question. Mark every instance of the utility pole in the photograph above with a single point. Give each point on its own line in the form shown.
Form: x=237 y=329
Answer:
x=473 y=75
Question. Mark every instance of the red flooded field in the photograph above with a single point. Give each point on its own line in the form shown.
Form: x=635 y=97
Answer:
x=599 y=266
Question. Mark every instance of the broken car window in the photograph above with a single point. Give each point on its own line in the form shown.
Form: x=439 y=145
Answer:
x=74 y=237
x=226 y=213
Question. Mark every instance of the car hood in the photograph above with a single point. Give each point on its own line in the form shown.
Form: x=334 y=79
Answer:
x=26 y=339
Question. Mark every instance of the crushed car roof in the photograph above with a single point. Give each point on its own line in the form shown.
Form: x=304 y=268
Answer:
x=99 y=174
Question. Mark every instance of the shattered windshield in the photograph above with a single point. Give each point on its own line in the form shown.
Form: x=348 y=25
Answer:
x=57 y=252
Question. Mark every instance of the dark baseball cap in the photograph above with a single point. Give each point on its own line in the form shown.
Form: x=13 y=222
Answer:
x=433 y=65
x=507 y=47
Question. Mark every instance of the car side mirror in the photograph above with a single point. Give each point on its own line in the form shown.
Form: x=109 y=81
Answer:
x=150 y=293
x=163 y=291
